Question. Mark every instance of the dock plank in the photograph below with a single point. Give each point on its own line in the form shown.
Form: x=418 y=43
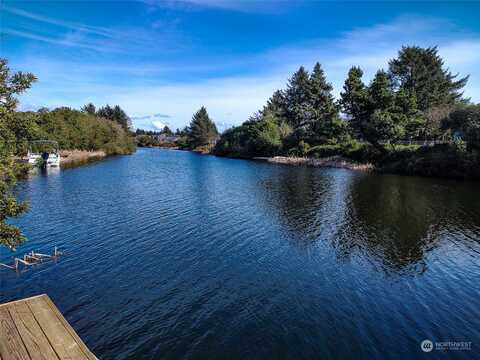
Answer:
x=32 y=335
x=11 y=344
x=65 y=346
x=72 y=332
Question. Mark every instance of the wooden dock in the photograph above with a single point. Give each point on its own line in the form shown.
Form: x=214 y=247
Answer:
x=34 y=328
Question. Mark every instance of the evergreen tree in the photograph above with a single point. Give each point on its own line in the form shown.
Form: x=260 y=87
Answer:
x=420 y=72
x=121 y=117
x=89 y=109
x=106 y=112
x=408 y=115
x=264 y=136
x=379 y=123
x=297 y=99
x=202 y=130
x=389 y=116
x=324 y=122
x=380 y=92
x=166 y=131
x=10 y=86
x=277 y=106
x=116 y=114
x=353 y=100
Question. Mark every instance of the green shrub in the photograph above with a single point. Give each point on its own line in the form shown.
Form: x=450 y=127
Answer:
x=446 y=160
x=73 y=129
x=326 y=150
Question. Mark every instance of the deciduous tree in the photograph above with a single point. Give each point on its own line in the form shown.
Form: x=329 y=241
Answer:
x=10 y=86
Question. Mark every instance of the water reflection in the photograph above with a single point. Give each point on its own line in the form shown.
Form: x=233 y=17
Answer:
x=400 y=219
x=391 y=222
x=178 y=255
x=310 y=204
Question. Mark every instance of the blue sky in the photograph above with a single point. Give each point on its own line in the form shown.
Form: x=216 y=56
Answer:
x=162 y=60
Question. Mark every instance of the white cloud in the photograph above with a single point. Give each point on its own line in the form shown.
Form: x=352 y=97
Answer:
x=158 y=124
x=232 y=99
x=462 y=53
x=228 y=101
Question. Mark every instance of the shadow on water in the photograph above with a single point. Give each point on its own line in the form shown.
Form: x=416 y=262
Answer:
x=391 y=222
x=399 y=220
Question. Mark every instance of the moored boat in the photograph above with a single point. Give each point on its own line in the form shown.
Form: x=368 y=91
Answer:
x=44 y=153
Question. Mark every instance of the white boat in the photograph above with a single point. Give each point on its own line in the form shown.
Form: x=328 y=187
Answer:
x=43 y=152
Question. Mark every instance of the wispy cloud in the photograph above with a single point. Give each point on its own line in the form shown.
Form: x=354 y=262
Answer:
x=132 y=40
x=155 y=86
x=65 y=24
x=68 y=40
x=162 y=116
x=248 y=6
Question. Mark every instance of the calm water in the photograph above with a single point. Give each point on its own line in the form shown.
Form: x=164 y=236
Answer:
x=177 y=255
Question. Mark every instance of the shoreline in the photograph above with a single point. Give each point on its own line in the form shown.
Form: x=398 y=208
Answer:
x=72 y=158
x=340 y=162
x=336 y=161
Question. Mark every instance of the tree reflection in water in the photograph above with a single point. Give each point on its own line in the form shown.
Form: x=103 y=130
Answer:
x=389 y=221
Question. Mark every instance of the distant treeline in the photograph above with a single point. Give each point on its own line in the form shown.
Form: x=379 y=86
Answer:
x=200 y=135
x=416 y=99
x=162 y=138
x=74 y=129
x=107 y=129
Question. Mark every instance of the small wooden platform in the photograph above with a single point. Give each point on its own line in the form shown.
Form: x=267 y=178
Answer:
x=34 y=328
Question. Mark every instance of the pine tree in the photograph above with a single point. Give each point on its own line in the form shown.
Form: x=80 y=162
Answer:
x=202 y=129
x=89 y=109
x=298 y=107
x=391 y=115
x=324 y=120
x=379 y=125
x=277 y=106
x=116 y=114
x=105 y=112
x=167 y=131
x=380 y=92
x=420 y=72
x=353 y=100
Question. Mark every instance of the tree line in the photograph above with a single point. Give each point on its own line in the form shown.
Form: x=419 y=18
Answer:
x=200 y=135
x=416 y=98
x=113 y=113
x=162 y=138
x=108 y=129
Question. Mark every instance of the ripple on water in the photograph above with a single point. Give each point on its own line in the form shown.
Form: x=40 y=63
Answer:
x=175 y=255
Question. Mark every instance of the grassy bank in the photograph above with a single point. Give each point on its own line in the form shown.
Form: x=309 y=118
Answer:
x=71 y=158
